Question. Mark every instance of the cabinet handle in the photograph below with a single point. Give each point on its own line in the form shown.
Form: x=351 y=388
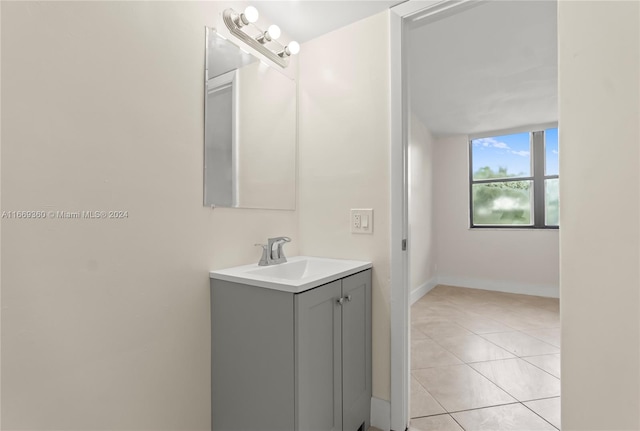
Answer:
x=348 y=298
x=340 y=301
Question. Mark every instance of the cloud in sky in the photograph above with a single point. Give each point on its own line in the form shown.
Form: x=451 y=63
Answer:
x=490 y=142
x=494 y=143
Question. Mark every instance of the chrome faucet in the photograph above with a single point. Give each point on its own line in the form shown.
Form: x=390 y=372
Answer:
x=271 y=256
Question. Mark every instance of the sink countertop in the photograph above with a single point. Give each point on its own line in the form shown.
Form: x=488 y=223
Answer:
x=298 y=274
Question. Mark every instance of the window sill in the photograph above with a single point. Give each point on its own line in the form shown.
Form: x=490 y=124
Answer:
x=512 y=228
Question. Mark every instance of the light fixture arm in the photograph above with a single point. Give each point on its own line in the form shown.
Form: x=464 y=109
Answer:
x=232 y=20
x=284 y=53
x=266 y=37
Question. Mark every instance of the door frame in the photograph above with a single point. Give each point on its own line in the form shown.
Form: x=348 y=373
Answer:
x=400 y=17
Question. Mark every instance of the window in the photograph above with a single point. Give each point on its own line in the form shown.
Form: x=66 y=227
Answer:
x=514 y=180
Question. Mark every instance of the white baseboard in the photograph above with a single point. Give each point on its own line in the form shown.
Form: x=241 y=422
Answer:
x=422 y=290
x=380 y=414
x=549 y=291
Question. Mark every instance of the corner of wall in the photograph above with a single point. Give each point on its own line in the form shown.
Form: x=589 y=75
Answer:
x=380 y=414
x=422 y=290
x=0 y=218
x=344 y=144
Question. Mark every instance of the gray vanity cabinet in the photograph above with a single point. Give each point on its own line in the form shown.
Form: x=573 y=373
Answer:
x=333 y=363
x=319 y=358
x=292 y=361
x=356 y=351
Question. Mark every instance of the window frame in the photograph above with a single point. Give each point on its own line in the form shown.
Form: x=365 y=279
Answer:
x=538 y=176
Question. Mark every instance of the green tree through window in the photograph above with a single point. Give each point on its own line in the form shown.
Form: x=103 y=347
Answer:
x=514 y=180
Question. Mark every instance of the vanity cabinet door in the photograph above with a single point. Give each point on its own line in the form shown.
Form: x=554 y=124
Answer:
x=318 y=358
x=252 y=358
x=356 y=351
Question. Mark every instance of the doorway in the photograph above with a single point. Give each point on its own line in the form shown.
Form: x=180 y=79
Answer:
x=449 y=137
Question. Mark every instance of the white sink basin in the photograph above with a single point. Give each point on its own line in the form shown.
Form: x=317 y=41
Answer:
x=297 y=275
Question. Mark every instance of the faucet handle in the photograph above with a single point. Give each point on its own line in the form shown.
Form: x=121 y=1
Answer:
x=280 y=241
x=276 y=255
x=263 y=260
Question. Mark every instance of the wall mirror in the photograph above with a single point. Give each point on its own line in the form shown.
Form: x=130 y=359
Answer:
x=250 y=130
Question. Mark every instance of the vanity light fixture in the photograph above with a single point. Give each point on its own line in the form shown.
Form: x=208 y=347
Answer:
x=250 y=15
x=242 y=26
x=271 y=34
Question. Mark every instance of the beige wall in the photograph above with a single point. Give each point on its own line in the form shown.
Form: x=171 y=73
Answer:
x=0 y=218
x=105 y=323
x=422 y=247
x=599 y=50
x=521 y=261
x=344 y=159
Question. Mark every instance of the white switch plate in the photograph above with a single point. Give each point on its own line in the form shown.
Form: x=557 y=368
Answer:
x=361 y=221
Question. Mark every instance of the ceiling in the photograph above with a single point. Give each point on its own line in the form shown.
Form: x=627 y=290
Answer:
x=487 y=68
x=303 y=20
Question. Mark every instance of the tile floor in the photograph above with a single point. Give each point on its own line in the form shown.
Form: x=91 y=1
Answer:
x=483 y=360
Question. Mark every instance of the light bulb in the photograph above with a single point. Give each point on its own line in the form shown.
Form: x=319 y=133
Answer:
x=293 y=47
x=251 y=14
x=274 y=31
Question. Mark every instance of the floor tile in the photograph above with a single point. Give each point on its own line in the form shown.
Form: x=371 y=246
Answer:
x=433 y=298
x=427 y=353
x=521 y=344
x=548 y=363
x=427 y=317
x=527 y=319
x=473 y=348
x=548 y=335
x=519 y=379
x=422 y=403
x=416 y=334
x=555 y=306
x=441 y=329
x=434 y=313
x=548 y=409
x=489 y=310
x=542 y=302
x=432 y=423
x=478 y=327
x=437 y=312
x=482 y=325
x=512 y=417
x=459 y=387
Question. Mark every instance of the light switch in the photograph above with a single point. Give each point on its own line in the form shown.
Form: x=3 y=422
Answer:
x=362 y=221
